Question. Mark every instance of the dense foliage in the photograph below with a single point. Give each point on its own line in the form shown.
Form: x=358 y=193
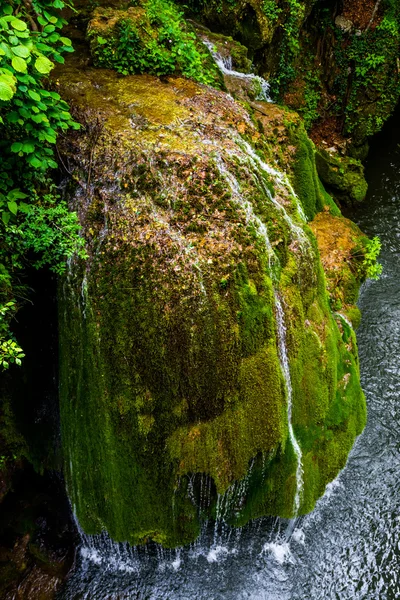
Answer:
x=369 y=74
x=152 y=37
x=35 y=227
x=350 y=74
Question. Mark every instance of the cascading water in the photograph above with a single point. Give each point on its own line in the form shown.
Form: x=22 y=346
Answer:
x=224 y=63
x=280 y=322
x=218 y=540
x=279 y=313
x=263 y=541
x=281 y=181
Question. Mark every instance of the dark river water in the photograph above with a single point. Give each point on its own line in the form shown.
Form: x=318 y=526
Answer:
x=349 y=547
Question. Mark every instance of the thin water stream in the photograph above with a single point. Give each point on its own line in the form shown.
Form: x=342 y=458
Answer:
x=224 y=63
x=349 y=547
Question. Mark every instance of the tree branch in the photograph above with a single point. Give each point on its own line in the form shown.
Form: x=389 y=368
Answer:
x=373 y=15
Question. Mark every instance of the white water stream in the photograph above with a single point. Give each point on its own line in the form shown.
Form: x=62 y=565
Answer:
x=224 y=63
x=273 y=260
x=280 y=322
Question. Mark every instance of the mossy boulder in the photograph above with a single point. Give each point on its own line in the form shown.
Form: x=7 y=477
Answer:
x=342 y=176
x=171 y=383
x=245 y=20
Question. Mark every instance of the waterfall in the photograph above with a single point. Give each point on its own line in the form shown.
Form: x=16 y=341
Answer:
x=248 y=209
x=261 y=228
x=282 y=182
x=217 y=540
x=282 y=346
x=224 y=63
x=228 y=503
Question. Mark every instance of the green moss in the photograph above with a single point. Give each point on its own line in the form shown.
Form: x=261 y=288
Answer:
x=305 y=175
x=328 y=201
x=253 y=422
x=344 y=176
x=168 y=344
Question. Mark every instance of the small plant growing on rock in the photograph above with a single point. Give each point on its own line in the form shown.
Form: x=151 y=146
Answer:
x=150 y=37
x=366 y=257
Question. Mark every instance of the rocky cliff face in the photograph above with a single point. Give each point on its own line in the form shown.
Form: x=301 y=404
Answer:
x=336 y=63
x=203 y=278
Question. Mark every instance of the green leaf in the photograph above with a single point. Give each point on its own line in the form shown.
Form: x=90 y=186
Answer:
x=101 y=40
x=16 y=194
x=28 y=148
x=13 y=207
x=34 y=95
x=18 y=25
x=6 y=91
x=54 y=37
x=16 y=147
x=50 y=17
x=22 y=34
x=65 y=41
x=25 y=78
x=50 y=138
x=19 y=64
x=5 y=217
x=49 y=29
x=21 y=51
x=7 y=76
x=43 y=65
x=24 y=207
x=40 y=118
x=35 y=162
x=7 y=9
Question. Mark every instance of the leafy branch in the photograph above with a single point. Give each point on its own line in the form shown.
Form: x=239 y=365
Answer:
x=36 y=227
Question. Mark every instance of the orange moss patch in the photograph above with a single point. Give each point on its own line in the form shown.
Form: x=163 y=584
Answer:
x=274 y=121
x=337 y=239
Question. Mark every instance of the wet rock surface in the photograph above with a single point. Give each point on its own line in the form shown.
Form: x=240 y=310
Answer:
x=194 y=230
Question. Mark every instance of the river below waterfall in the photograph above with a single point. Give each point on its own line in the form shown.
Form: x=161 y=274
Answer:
x=349 y=547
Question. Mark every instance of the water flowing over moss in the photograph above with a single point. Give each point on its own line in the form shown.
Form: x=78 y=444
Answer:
x=173 y=397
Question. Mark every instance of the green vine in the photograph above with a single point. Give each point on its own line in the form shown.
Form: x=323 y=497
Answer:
x=290 y=46
x=36 y=227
